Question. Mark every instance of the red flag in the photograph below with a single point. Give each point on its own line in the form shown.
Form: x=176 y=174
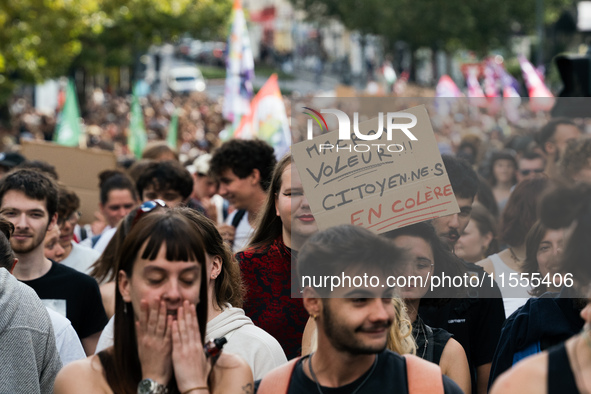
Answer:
x=267 y=119
x=541 y=99
x=446 y=87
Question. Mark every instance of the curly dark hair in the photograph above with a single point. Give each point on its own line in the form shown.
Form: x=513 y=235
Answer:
x=34 y=184
x=242 y=157
x=166 y=175
x=68 y=202
x=42 y=166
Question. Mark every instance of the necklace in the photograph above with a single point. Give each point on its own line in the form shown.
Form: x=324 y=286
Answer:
x=421 y=326
x=373 y=367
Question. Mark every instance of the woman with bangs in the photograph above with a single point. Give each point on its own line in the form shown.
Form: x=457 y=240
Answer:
x=160 y=316
x=104 y=269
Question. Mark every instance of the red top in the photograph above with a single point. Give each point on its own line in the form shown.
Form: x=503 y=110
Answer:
x=267 y=273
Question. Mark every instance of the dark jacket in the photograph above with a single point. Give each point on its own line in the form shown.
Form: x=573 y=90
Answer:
x=540 y=323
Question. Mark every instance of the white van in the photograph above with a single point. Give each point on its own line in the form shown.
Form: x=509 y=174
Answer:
x=185 y=79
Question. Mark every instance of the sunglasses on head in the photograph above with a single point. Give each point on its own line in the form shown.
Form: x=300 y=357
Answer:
x=527 y=172
x=146 y=207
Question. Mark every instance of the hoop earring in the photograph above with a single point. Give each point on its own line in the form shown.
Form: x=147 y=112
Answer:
x=125 y=308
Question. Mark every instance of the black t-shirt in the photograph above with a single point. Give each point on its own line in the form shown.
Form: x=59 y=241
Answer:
x=561 y=378
x=67 y=290
x=474 y=322
x=437 y=340
x=389 y=376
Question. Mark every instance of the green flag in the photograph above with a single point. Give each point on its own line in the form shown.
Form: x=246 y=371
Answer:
x=68 y=129
x=171 y=137
x=137 y=133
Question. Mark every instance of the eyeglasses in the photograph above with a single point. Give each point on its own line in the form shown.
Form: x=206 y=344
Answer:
x=72 y=219
x=146 y=207
x=421 y=267
x=527 y=172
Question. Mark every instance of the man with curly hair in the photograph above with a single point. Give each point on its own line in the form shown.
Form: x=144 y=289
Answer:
x=243 y=169
x=165 y=180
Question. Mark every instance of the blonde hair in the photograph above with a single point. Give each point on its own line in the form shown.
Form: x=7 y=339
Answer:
x=400 y=339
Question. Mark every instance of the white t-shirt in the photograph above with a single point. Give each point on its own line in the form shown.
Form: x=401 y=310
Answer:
x=513 y=297
x=66 y=340
x=81 y=258
x=243 y=232
x=104 y=240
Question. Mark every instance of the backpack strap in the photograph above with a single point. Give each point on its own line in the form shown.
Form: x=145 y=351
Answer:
x=277 y=380
x=225 y=206
x=423 y=376
x=95 y=239
x=83 y=233
x=238 y=217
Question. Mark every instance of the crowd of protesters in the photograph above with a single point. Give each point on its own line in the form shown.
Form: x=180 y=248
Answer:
x=185 y=252
x=106 y=121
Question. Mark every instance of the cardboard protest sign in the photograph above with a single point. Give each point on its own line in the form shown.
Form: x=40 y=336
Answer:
x=77 y=168
x=379 y=184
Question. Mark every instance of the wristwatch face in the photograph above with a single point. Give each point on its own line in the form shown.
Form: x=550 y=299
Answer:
x=148 y=386
x=145 y=386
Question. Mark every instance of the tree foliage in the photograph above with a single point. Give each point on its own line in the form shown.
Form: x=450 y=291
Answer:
x=38 y=39
x=41 y=39
x=477 y=25
x=134 y=25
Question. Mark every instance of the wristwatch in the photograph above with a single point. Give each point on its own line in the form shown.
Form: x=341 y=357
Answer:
x=149 y=386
